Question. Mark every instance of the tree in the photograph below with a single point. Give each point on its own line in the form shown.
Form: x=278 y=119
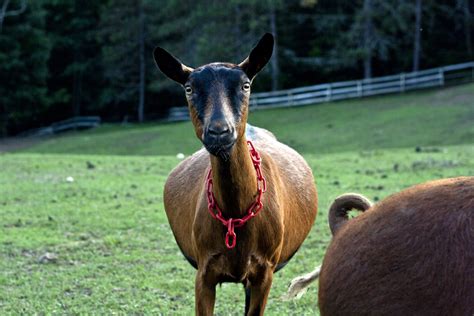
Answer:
x=274 y=59
x=141 y=53
x=75 y=58
x=463 y=6
x=23 y=69
x=417 y=37
x=236 y=32
x=368 y=37
x=369 y=32
x=126 y=42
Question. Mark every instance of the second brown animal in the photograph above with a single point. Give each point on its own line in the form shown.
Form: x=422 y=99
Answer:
x=410 y=254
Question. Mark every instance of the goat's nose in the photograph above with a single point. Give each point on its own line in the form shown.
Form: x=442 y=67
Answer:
x=218 y=129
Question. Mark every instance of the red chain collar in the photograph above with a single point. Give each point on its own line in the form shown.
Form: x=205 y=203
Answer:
x=252 y=211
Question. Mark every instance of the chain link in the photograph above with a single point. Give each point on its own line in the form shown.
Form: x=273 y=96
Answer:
x=252 y=211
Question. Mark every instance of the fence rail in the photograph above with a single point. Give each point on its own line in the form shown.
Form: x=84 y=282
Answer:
x=365 y=87
x=78 y=122
x=435 y=77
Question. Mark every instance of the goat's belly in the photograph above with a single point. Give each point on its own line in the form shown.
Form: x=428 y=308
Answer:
x=231 y=279
x=231 y=269
x=235 y=276
x=238 y=269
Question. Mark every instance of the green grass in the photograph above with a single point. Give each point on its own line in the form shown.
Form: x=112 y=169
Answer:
x=439 y=117
x=115 y=251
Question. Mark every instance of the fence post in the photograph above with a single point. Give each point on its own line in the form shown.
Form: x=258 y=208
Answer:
x=289 y=96
x=328 y=93
x=402 y=82
x=441 y=76
x=359 y=89
x=367 y=86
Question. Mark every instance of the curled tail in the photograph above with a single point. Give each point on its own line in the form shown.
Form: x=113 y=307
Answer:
x=337 y=218
x=342 y=205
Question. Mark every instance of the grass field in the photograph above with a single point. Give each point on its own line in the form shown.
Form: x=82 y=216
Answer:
x=101 y=244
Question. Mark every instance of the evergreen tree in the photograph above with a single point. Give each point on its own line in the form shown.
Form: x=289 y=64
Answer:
x=23 y=69
x=126 y=54
x=75 y=58
x=61 y=58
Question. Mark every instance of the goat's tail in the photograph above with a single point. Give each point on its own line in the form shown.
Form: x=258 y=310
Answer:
x=337 y=218
x=342 y=205
x=300 y=284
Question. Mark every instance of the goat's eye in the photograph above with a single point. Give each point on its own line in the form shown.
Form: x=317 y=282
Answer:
x=246 y=86
x=188 y=90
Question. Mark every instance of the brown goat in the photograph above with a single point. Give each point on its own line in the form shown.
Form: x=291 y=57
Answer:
x=410 y=254
x=218 y=101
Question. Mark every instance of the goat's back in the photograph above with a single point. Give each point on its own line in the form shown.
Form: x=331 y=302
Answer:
x=411 y=254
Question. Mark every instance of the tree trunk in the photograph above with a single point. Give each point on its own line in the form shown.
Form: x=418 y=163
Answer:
x=77 y=77
x=3 y=10
x=274 y=59
x=237 y=33
x=3 y=123
x=141 y=43
x=417 y=37
x=367 y=11
x=467 y=26
x=76 y=89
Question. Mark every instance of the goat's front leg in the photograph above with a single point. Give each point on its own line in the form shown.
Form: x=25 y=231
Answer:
x=259 y=290
x=205 y=293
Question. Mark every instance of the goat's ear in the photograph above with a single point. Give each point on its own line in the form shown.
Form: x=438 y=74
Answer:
x=259 y=56
x=171 y=66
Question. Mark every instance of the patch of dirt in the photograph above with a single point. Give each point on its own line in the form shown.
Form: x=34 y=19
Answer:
x=432 y=163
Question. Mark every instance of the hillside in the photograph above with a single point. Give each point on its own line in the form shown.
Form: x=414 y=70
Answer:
x=427 y=118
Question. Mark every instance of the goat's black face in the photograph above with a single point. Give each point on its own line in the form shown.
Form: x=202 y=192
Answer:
x=218 y=96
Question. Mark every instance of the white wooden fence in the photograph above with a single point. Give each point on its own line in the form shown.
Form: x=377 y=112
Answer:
x=429 y=78
x=78 y=122
x=366 y=87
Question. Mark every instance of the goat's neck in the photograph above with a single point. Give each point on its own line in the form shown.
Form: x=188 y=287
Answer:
x=234 y=181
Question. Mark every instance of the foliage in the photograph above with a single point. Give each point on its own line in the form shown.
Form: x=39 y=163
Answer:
x=24 y=53
x=61 y=58
x=74 y=63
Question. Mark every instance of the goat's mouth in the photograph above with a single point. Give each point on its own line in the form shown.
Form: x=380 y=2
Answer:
x=221 y=150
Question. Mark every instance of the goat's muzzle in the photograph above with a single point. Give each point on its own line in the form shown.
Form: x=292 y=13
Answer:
x=219 y=138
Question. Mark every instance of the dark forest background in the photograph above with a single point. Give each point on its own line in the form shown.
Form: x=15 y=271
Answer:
x=64 y=58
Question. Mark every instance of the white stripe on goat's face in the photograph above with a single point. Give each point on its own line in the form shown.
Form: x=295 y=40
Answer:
x=218 y=97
